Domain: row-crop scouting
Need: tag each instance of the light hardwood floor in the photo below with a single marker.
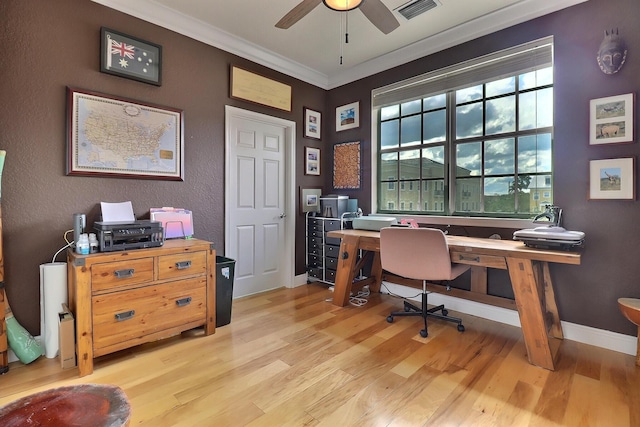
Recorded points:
(290, 358)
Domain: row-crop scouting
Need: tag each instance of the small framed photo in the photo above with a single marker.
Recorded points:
(612, 179)
(312, 123)
(611, 119)
(311, 161)
(348, 116)
(310, 199)
(126, 56)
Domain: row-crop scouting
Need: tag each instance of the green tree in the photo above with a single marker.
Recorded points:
(521, 184)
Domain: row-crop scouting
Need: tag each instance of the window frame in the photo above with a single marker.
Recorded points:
(449, 145)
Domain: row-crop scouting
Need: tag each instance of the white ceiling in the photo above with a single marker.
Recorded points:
(310, 49)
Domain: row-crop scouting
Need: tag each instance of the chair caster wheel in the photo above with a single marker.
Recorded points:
(424, 333)
(461, 328)
(445, 312)
(390, 319)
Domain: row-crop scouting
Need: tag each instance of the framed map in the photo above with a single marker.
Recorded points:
(118, 137)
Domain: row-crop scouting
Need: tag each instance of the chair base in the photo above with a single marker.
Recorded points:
(424, 312)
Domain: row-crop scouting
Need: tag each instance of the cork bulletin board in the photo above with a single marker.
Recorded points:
(346, 165)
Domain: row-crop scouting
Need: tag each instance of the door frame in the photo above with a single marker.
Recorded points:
(290, 183)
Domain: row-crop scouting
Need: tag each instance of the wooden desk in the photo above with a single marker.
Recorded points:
(528, 270)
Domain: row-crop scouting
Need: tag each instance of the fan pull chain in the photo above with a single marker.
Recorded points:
(344, 22)
(346, 27)
(340, 38)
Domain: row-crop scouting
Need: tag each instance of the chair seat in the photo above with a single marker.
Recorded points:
(422, 254)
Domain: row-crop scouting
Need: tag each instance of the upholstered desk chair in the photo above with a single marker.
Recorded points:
(423, 254)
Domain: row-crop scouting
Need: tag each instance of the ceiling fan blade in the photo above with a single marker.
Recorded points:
(379, 15)
(297, 13)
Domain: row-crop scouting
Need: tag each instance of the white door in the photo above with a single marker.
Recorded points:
(259, 197)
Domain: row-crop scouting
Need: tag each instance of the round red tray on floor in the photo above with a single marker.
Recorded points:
(83, 405)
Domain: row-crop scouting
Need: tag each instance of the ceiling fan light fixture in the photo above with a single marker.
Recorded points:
(342, 5)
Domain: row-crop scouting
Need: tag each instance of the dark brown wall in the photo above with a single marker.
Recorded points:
(610, 269)
(49, 45)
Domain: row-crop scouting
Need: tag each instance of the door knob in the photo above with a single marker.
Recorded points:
(282, 215)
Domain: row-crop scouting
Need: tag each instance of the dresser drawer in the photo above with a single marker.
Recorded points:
(333, 241)
(481, 260)
(331, 251)
(181, 265)
(315, 260)
(330, 276)
(331, 263)
(316, 234)
(315, 225)
(315, 243)
(113, 275)
(129, 315)
(315, 272)
(332, 224)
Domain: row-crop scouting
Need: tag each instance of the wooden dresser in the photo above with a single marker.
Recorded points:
(125, 298)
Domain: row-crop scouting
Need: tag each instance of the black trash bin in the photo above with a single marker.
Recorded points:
(225, 268)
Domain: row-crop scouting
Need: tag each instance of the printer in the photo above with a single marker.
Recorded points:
(122, 236)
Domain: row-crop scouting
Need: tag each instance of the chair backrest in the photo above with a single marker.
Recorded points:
(417, 253)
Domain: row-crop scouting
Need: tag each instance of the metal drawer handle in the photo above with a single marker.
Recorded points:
(464, 258)
(125, 315)
(183, 301)
(183, 265)
(124, 274)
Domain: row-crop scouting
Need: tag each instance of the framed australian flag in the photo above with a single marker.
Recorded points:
(125, 56)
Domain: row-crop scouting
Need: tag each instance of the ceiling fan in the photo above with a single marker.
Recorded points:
(374, 10)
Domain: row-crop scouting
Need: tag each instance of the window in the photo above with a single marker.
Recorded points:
(474, 139)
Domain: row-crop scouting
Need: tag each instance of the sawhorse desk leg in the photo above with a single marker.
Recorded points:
(345, 272)
(537, 309)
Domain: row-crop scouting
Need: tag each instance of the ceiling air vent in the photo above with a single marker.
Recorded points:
(415, 8)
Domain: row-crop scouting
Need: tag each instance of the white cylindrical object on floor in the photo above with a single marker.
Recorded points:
(53, 293)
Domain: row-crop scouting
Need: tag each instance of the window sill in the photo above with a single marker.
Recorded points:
(515, 223)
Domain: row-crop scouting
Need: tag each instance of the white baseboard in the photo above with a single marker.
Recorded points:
(299, 280)
(12, 356)
(584, 334)
(587, 335)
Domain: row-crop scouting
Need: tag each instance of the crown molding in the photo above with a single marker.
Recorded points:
(517, 13)
(165, 17)
(150, 11)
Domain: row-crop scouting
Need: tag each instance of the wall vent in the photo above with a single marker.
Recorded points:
(415, 8)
